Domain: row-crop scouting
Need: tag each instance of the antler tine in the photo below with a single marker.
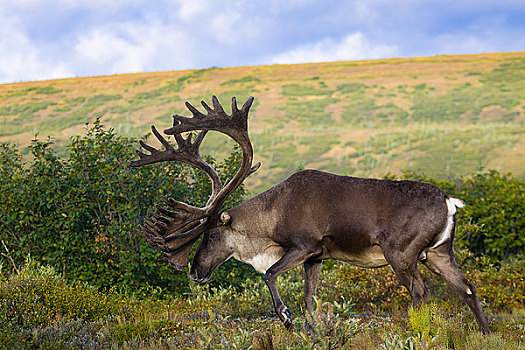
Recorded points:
(235, 109)
(199, 138)
(162, 140)
(247, 105)
(217, 106)
(190, 209)
(169, 235)
(235, 126)
(196, 113)
(206, 107)
(155, 155)
(179, 228)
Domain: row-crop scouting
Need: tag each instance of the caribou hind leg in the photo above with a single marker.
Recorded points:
(415, 285)
(409, 276)
(404, 264)
(441, 261)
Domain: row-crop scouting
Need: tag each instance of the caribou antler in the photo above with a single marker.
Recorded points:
(176, 230)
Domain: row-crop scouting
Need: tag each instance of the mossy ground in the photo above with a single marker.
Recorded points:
(356, 309)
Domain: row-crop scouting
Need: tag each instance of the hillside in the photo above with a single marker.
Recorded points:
(446, 115)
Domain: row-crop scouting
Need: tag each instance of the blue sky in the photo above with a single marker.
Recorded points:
(42, 39)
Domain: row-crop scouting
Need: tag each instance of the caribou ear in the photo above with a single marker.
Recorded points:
(225, 218)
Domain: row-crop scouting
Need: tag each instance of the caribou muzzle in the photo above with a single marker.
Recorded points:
(195, 277)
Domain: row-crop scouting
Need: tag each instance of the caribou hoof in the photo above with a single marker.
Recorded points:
(286, 318)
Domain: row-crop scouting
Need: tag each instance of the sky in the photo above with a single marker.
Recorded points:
(44, 39)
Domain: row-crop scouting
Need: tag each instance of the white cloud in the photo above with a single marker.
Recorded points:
(483, 35)
(192, 9)
(233, 28)
(353, 46)
(132, 47)
(102, 47)
(225, 28)
(41, 39)
(21, 59)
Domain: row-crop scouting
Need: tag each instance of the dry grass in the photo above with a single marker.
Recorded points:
(389, 83)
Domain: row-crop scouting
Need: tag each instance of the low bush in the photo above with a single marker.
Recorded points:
(493, 222)
(210, 317)
(81, 214)
(37, 295)
(500, 286)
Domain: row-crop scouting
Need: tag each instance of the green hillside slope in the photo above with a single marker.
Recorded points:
(446, 115)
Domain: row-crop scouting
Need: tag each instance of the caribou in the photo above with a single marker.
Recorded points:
(310, 217)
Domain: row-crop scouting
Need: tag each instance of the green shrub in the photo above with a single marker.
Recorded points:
(37, 295)
(492, 222)
(81, 214)
(500, 285)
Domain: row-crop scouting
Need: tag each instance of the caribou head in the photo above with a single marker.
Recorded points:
(310, 217)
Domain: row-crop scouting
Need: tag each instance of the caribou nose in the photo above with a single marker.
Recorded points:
(199, 280)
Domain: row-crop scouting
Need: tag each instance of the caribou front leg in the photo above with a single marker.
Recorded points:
(292, 258)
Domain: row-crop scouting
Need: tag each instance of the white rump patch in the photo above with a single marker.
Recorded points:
(456, 201)
(452, 204)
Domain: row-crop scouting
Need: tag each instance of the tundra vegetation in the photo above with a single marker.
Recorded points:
(75, 273)
(448, 115)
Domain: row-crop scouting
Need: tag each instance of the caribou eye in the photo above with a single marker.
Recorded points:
(213, 235)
